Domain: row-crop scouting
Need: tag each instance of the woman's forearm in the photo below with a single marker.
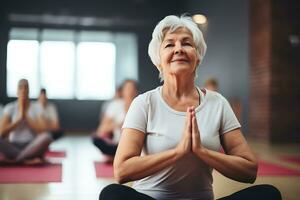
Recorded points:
(238, 168)
(6, 128)
(37, 125)
(139, 167)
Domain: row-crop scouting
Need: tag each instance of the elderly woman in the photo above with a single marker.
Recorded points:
(172, 135)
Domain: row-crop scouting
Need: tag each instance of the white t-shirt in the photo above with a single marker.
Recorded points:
(1, 110)
(49, 112)
(22, 133)
(189, 177)
(116, 111)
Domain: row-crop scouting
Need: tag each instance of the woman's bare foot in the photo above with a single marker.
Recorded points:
(35, 161)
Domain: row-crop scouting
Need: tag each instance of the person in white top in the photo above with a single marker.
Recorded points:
(108, 133)
(22, 131)
(171, 135)
(50, 115)
(1, 110)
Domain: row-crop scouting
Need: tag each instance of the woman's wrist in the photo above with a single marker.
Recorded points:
(201, 152)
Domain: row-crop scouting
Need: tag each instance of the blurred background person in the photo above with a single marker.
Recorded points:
(1, 110)
(21, 129)
(108, 132)
(49, 112)
(118, 95)
(211, 83)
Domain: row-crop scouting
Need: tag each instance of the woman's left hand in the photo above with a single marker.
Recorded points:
(196, 140)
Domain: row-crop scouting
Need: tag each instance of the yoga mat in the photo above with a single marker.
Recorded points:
(48, 154)
(104, 170)
(55, 154)
(31, 174)
(292, 159)
(270, 169)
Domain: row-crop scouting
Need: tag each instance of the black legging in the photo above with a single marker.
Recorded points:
(104, 147)
(257, 192)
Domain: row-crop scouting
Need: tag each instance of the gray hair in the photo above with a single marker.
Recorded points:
(172, 23)
(23, 82)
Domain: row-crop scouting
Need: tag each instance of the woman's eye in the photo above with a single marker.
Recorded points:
(187, 44)
(168, 45)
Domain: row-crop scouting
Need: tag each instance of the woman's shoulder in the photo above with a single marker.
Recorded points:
(11, 105)
(213, 96)
(148, 95)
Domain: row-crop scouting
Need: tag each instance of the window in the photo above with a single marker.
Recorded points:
(70, 64)
(22, 63)
(96, 69)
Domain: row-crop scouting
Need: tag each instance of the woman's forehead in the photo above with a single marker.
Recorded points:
(181, 32)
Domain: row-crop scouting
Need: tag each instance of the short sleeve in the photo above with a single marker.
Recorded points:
(137, 115)
(8, 110)
(229, 121)
(52, 112)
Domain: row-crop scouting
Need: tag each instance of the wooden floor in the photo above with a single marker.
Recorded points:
(79, 181)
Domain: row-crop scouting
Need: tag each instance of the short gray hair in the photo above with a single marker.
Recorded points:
(172, 23)
(22, 82)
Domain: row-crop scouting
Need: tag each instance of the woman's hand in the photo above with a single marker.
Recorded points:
(185, 145)
(196, 140)
(21, 109)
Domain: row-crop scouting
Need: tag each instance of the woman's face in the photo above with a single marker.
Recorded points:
(178, 53)
(23, 91)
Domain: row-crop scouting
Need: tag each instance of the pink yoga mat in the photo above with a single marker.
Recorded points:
(31, 174)
(55, 154)
(48, 154)
(292, 159)
(104, 170)
(270, 169)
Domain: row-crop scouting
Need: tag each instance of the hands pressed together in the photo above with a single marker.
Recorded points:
(22, 110)
(190, 141)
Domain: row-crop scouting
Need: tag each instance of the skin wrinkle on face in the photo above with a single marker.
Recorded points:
(178, 51)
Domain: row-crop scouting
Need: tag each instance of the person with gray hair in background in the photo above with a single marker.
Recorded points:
(171, 135)
(23, 139)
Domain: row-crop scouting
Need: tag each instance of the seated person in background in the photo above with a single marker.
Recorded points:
(109, 130)
(49, 113)
(21, 129)
(118, 95)
(1, 110)
(211, 84)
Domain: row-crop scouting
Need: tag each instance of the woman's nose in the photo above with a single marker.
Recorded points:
(178, 49)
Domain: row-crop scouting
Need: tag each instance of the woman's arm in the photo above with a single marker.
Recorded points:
(6, 125)
(38, 125)
(239, 163)
(129, 165)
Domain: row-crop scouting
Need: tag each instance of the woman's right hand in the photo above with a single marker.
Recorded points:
(185, 145)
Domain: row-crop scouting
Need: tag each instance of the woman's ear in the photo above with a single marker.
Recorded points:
(198, 61)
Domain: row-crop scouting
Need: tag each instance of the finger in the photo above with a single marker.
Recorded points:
(195, 128)
(189, 122)
(187, 117)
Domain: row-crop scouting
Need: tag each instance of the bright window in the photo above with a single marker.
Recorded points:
(70, 64)
(22, 62)
(96, 70)
(57, 68)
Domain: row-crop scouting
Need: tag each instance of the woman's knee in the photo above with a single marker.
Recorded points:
(113, 192)
(270, 191)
